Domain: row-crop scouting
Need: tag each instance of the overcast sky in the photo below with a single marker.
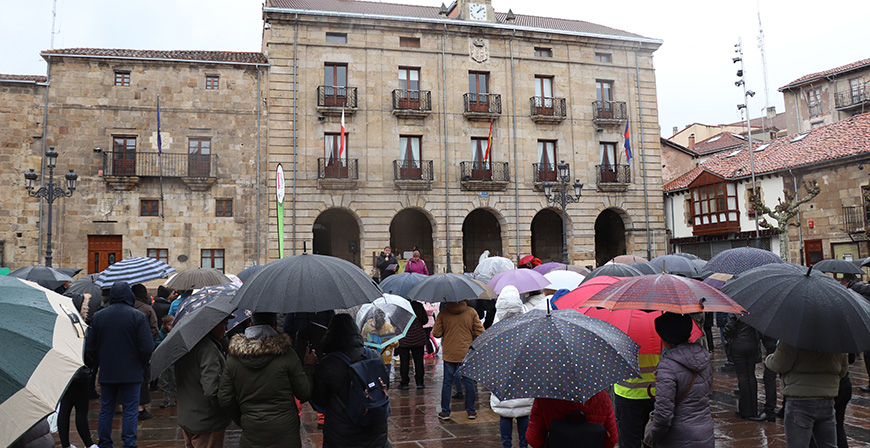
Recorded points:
(694, 71)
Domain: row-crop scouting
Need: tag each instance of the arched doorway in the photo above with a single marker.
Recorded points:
(547, 235)
(609, 236)
(336, 233)
(480, 231)
(411, 228)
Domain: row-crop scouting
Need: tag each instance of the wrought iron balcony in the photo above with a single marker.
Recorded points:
(412, 103)
(849, 99)
(545, 172)
(416, 175)
(153, 164)
(620, 174)
(331, 100)
(609, 113)
(484, 175)
(482, 106)
(852, 218)
(547, 110)
(334, 169)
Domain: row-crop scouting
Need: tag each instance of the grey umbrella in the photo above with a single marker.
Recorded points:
(645, 267)
(446, 288)
(676, 264)
(400, 284)
(838, 267)
(70, 271)
(197, 278)
(85, 285)
(307, 283)
(613, 270)
(46, 277)
(249, 272)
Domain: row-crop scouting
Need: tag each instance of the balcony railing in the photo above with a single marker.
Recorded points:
(616, 174)
(416, 170)
(484, 171)
(850, 98)
(153, 164)
(332, 169)
(545, 172)
(852, 218)
(547, 108)
(815, 110)
(336, 96)
(609, 112)
(482, 103)
(412, 100)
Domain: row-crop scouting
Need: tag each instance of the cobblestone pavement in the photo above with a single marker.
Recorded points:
(414, 423)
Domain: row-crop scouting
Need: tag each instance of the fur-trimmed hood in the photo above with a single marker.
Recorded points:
(257, 353)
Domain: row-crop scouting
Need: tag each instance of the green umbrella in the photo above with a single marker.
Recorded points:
(43, 340)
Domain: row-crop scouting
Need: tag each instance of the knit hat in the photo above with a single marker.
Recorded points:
(674, 328)
(163, 291)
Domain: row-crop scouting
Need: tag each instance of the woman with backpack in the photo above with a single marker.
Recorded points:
(332, 388)
(545, 411)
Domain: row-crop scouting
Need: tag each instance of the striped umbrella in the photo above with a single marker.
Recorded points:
(43, 341)
(735, 261)
(664, 292)
(134, 270)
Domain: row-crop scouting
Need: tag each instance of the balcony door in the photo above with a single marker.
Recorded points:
(335, 80)
(410, 165)
(544, 95)
(604, 95)
(481, 168)
(608, 165)
(546, 160)
(478, 91)
(124, 156)
(409, 86)
(336, 159)
(199, 157)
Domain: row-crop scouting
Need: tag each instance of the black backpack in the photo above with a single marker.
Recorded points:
(368, 402)
(575, 432)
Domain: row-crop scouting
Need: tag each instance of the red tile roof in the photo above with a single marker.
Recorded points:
(180, 55)
(807, 79)
(719, 142)
(22, 78)
(432, 12)
(842, 139)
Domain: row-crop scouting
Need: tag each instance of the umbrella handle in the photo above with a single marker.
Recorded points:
(701, 302)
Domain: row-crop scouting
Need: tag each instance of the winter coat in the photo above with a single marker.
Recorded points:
(508, 303)
(431, 310)
(197, 375)
(741, 340)
(689, 423)
(534, 301)
(119, 340)
(418, 267)
(457, 325)
(808, 374)
(161, 308)
(39, 436)
(261, 377)
(385, 260)
(416, 336)
(149, 313)
(161, 335)
(597, 410)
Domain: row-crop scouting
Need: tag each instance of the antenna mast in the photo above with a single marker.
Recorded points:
(764, 120)
(53, 18)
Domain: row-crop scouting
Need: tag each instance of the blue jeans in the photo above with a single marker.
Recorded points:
(129, 393)
(450, 369)
(806, 419)
(506, 425)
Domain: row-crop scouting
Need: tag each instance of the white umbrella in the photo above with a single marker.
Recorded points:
(563, 280)
(488, 267)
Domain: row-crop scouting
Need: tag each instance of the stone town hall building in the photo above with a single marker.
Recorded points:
(420, 90)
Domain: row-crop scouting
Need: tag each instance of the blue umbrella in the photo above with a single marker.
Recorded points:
(134, 270)
(401, 284)
(735, 261)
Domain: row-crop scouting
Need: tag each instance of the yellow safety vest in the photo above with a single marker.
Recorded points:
(640, 388)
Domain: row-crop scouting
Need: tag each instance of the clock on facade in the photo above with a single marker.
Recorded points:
(477, 11)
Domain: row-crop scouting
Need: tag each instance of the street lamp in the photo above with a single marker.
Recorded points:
(50, 192)
(563, 198)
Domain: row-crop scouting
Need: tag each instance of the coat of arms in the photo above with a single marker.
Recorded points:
(479, 49)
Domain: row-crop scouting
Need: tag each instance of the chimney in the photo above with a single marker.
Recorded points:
(676, 129)
(771, 112)
(510, 18)
(691, 141)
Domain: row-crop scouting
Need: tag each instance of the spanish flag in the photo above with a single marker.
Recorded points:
(488, 143)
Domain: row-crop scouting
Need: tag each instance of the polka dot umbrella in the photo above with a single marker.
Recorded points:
(562, 354)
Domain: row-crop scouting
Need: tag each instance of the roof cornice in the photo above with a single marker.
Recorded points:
(47, 55)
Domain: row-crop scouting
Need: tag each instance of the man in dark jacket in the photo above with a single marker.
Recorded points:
(120, 342)
(742, 347)
(165, 296)
(851, 282)
(387, 263)
(198, 373)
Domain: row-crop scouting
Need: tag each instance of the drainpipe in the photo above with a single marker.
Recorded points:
(295, 121)
(516, 163)
(642, 156)
(446, 153)
(800, 227)
(259, 100)
(44, 136)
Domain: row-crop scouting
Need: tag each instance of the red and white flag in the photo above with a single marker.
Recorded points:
(341, 143)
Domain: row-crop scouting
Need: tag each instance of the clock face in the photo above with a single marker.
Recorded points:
(477, 11)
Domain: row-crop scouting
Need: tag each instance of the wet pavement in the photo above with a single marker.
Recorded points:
(414, 421)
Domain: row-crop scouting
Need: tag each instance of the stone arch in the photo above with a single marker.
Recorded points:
(546, 231)
(609, 235)
(412, 227)
(481, 230)
(336, 232)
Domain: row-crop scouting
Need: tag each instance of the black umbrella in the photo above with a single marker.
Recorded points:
(740, 259)
(613, 270)
(69, 271)
(802, 307)
(676, 264)
(249, 272)
(307, 283)
(401, 284)
(446, 288)
(838, 267)
(645, 267)
(688, 256)
(46, 277)
(85, 285)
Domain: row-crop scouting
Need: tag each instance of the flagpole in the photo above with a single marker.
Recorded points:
(159, 157)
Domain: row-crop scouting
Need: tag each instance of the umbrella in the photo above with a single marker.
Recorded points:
(524, 279)
(645, 267)
(43, 341)
(488, 293)
(675, 264)
(490, 266)
(396, 311)
(239, 317)
(307, 283)
(85, 285)
(445, 288)
(46, 277)
(562, 354)
(547, 267)
(187, 332)
(613, 270)
(527, 259)
(69, 271)
(400, 284)
(700, 264)
(734, 261)
(134, 270)
(627, 259)
(685, 255)
(664, 292)
(203, 297)
(802, 307)
(197, 278)
(582, 270)
(563, 280)
(717, 280)
(865, 262)
(234, 279)
(249, 272)
(838, 267)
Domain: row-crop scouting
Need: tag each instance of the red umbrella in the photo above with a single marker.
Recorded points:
(638, 325)
(526, 259)
(664, 292)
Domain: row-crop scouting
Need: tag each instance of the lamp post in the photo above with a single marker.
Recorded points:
(563, 198)
(50, 192)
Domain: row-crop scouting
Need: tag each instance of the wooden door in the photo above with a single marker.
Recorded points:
(103, 251)
(813, 252)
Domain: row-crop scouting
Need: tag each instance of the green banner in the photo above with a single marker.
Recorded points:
(279, 190)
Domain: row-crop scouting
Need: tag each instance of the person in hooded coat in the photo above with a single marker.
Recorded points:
(261, 377)
(684, 386)
(458, 325)
(332, 389)
(412, 345)
(120, 343)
